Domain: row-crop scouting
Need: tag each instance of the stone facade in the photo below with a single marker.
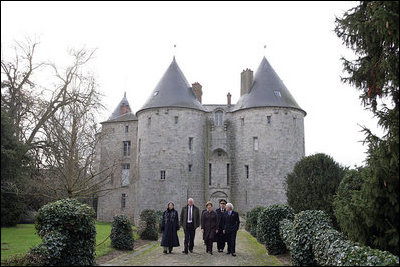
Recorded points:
(208, 153)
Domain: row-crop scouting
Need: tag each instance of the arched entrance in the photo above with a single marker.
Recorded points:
(216, 197)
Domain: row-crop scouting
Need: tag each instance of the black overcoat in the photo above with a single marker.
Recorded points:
(209, 224)
(170, 226)
(220, 236)
(232, 222)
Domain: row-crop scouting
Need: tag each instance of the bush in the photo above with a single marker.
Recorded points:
(268, 227)
(304, 226)
(12, 208)
(345, 205)
(67, 228)
(251, 220)
(313, 183)
(159, 215)
(286, 232)
(121, 233)
(148, 225)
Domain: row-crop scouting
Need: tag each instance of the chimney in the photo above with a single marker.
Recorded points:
(246, 81)
(197, 90)
(229, 99)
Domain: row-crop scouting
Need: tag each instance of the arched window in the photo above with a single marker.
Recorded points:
(219, 117)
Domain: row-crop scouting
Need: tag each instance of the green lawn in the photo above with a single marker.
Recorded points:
(19, 239)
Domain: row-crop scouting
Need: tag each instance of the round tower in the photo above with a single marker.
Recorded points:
(269, 139)
(171, 130)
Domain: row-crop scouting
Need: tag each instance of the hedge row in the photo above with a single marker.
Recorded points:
(312, 241)
(121, 233)
(251, 220)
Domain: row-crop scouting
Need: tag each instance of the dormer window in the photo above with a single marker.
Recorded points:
(277, 93)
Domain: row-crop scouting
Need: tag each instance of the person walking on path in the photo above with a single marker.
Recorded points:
(209, 226)
(170, 227)
(231, 227)
(190, 220)
(220, 236)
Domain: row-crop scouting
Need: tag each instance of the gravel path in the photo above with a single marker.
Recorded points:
(248, 251)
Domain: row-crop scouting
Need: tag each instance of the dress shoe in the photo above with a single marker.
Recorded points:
(228, 252)
(191, 251)
(165, 252)
(233, 254)
(184, 252)
(211, 252)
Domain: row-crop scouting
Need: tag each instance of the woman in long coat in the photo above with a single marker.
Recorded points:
(170, 227)
(209, 226)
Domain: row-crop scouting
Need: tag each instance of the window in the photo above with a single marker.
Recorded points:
(241, 121)
(162, 175)
(190, 143)
(123, 201)
(140, 142)
(126, 128)
(255, 143)
(246, 167)
(277, 93)
(269, 119)
(125, 174)
(227, 173)
(209, 174)
(127, 148)
(218, 118)
(190, 167)
(176, 119)
(148, 121)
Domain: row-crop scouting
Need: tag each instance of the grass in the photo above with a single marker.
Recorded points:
(19, 239)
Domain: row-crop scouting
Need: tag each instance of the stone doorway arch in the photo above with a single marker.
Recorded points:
(216, 197)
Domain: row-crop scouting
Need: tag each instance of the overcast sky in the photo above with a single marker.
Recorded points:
(215, 42)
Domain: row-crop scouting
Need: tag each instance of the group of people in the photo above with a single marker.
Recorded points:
(220, 225)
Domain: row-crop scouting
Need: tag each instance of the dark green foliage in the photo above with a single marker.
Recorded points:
(313, 183)
(268, 227)
(13, 172)
(304, 225)
(159, 215)
(251, 220)
(313, 241)
(371, 30)
(148, 225)
(346, 207)
(67, 228)
(286, 232)
(121, 233)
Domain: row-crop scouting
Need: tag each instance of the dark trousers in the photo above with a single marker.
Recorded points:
(220, 240)
(209, 245)
(231, 240)
(189, 236)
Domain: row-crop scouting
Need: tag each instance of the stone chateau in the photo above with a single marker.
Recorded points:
(176, 147)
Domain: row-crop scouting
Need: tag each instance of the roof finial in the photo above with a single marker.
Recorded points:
(124, 93)
(265, 48)
(174, 51)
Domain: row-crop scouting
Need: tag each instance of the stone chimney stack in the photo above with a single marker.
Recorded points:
(246, 81)
(229, 99)
(197, 90)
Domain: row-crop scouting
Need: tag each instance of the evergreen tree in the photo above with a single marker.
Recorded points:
(371, 30)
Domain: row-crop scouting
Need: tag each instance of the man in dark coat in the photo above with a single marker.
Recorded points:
(231, 227)
(209, 226)
(220, 236)
(190, 220)
(170, 227)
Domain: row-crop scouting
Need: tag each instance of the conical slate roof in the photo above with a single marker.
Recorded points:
(173, 90)
(267, 90)
(117, 112)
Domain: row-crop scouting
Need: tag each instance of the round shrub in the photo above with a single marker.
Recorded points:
(304, 226)
(251, 220)
(121, 233)
(313, 183)
(286, 232)
(148, 225)
(67, 228)
(268, 227)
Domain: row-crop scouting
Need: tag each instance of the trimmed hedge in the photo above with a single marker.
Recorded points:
(313, 241)
(251, 220)
(148, 225)
(121, 233)
(67, 228)
(268, 227)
